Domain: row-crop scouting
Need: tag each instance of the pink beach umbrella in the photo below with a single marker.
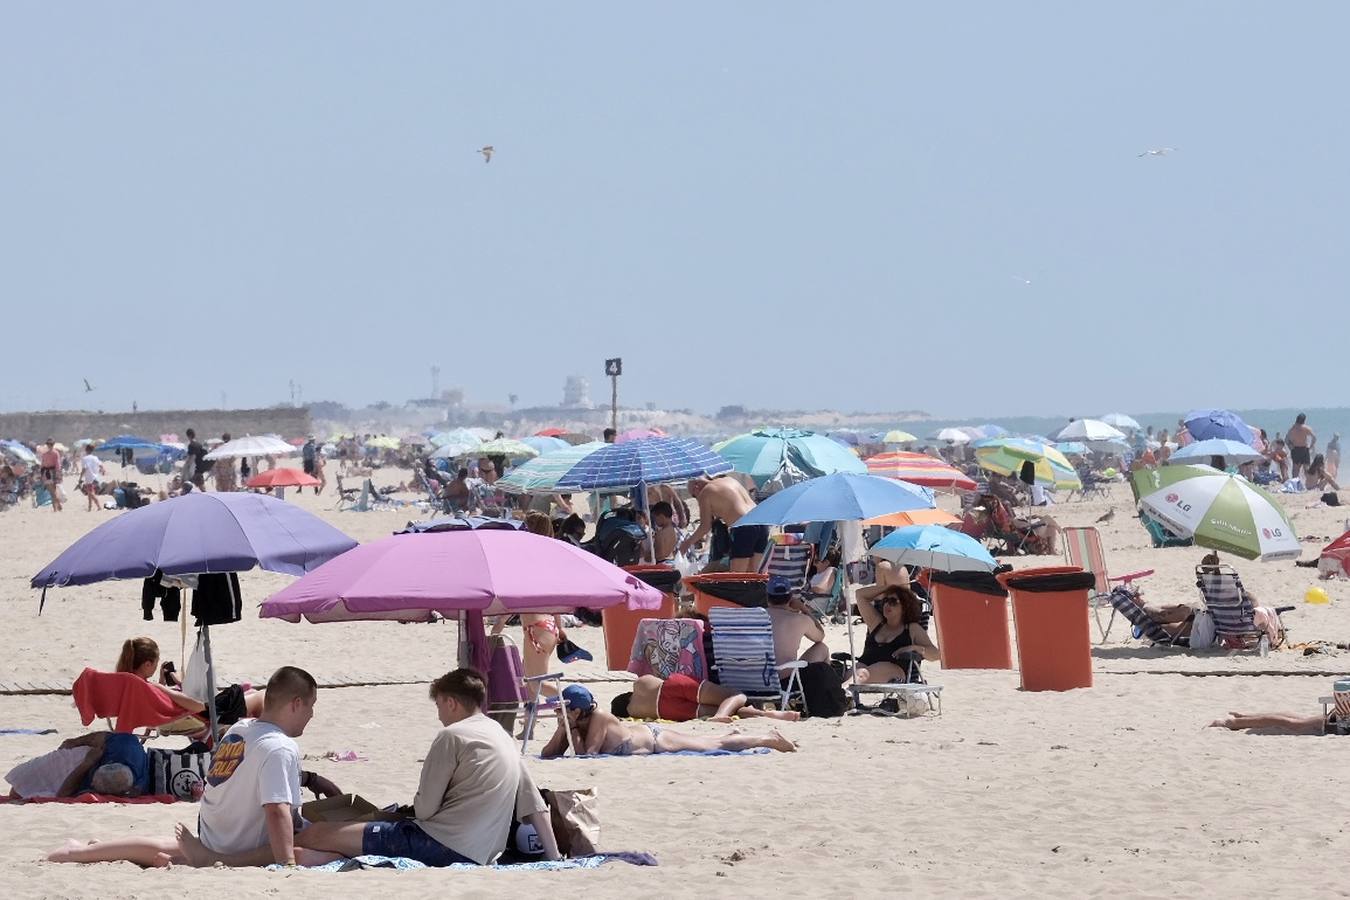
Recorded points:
(638, 434)
(409, 577)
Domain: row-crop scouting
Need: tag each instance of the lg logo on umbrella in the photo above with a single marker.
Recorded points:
(1269, 533)
(1175, 499)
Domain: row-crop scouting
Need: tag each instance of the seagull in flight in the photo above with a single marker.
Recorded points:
(1160, 151)
(487, 153)
(1021, 279)
(88, 388)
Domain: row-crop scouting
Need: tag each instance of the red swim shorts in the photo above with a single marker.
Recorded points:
(678, 700)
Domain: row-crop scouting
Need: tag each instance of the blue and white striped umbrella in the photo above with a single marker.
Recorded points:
(644, 461)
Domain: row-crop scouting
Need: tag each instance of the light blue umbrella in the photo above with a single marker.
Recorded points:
(764, 454)
(842, 497)
(1234, 452)
(545, 445)
(934, 547)
(991, 430)
(1074, 448)
(19, 452)
(643, 461)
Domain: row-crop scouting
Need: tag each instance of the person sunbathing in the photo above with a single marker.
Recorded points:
(896, 639)
(680, 698)
(1278, 723)
(140, 657)
(599, 732)
(104, 762)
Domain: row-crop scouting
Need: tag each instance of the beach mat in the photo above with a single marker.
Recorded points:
(27, 731)
(753, 751)
(90, 797)
(403, 863)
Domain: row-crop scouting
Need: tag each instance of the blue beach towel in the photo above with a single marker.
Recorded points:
(405, 864)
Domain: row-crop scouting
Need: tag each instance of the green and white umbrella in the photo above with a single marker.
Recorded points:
(1220, 511)
(541, 475)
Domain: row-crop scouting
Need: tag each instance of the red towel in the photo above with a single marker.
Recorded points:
(132, 701)
(90, 797)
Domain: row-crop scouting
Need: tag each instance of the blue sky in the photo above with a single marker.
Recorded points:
(769, 203)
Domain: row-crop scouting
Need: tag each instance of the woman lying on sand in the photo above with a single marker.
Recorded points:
(1277, 723)
(598, 732)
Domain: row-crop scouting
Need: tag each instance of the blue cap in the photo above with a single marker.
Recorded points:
(778, 586)
(579, 698)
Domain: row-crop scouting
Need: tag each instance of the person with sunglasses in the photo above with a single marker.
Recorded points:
(896, 639)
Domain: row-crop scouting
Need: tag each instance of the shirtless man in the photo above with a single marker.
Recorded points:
(680, 698)
(1301, 441)
(722, 501)
(598, 732)
(792, 624)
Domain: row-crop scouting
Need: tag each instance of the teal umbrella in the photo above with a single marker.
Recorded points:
(764, 454)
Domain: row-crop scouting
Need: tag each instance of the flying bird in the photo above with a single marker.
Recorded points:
(1160, 151)
(487, 153)
(88, 388)
(1021, 279)
(1109, 515)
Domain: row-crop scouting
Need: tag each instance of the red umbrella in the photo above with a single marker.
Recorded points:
(551, 432)
(284, 476)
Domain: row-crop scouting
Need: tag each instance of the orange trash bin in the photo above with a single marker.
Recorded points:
(1054, 639)
(971, 612)
(620, 623)
(734, 589)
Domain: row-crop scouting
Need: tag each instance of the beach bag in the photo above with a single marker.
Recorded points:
(194, 677)
(179, 773)
(576, 820)
(1202, 630)
(823, 691)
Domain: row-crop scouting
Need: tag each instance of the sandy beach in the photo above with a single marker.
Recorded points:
(1119, 788)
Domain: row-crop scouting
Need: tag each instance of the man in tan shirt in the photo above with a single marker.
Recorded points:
(472, 781)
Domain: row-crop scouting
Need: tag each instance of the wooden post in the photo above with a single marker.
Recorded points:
(614, 403)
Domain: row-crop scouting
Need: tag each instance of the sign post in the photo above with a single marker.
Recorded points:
(614, 368)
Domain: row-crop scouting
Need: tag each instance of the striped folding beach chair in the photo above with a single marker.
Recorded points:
(743, 656)
(1122, 600)
(1234, 621)
(790, 560)
(1083, 550)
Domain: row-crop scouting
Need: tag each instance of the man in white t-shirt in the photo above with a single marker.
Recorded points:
(472, 781)
(252, 798)
(91, 467)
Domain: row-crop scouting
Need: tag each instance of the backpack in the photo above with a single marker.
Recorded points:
(823, 690)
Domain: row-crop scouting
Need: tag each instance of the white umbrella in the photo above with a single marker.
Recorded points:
(1090, 430)
(952, 436)
(1121, 421)
(454, 449)
(251, 445)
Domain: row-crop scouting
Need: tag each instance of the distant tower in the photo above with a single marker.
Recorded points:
(435, 381)
(576, 392)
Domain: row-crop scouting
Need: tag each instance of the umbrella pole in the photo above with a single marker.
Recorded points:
(212, 716)
(851, 549)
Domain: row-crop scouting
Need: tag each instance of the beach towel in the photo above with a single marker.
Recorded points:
(91, 797)
(133, 702)
(403, 863)
(663, 647)
(27, 731)
(754, 751)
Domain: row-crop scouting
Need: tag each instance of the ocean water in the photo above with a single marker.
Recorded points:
(1325, 422)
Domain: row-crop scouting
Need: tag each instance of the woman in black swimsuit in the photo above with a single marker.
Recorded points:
(896, 640)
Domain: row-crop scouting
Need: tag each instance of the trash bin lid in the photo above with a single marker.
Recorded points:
(1051, 582)
(976, 582)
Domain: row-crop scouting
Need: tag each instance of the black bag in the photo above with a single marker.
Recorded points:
(824, 691)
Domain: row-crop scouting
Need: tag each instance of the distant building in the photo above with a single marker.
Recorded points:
(576, 393)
